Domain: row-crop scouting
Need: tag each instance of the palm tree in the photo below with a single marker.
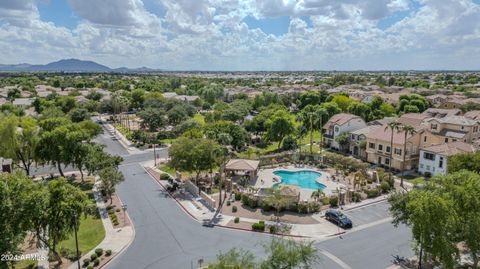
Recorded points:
(321, 113)
(394, 126)
(307, 117)
(407, 130)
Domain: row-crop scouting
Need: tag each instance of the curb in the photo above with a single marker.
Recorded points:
(124, 248)
(367, 204)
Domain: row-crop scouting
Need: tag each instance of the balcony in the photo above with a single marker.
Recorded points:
(327, 135)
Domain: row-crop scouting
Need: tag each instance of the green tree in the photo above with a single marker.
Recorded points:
(152, 118)
(22, 201)
(278, 200)
(290, 254)
(234, 259)
(343, 140)
(78, 114)
(97, 159)
(193, 155)
(137, 99)
(66, 204)
(110, 177)
(18, 140)
(279, 126)
(308, 118)
(227, 133)
(467, 161)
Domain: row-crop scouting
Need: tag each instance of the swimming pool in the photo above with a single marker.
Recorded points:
(304, 179)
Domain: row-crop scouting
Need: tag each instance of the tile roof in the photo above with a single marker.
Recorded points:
(452, 133)
(441, 113)
(474, 115)
(366, 130)
(242, 164)
(458, 120)
(449, 149)
(339, 119)
(384, 133)
(412, 119)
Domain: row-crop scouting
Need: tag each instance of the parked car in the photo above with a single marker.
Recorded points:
(338, 218)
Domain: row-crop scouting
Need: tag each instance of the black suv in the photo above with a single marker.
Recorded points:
(338, 218)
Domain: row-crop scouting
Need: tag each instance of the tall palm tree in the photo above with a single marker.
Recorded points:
(307, 117)
(393, 126)
(321, 114)
(407, 130)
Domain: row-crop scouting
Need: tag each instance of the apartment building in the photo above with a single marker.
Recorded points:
(338, 125)
(434, 159)
(450, 129)
(379, 150)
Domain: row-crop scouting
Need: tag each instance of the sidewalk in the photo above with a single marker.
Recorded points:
(116, 239)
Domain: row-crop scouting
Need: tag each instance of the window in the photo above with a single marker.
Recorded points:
(425, 139)
(380, 147)
(434, 126)
(398, 151)
(446, 139)
(421, 165)
(371, 145)
(440, 163)
(336, 129)
(387, 161)
(414, 149)
(353, 137)
(428, 156)
(428, 167)
(387, 149)
(463, 127)
(379, 160)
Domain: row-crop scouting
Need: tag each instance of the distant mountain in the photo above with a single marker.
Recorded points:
(70, 65)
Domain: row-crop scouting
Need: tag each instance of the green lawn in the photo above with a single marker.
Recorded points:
(167, 141)
(418, 180)
(166, 168)
(90, 234)
(25, 264)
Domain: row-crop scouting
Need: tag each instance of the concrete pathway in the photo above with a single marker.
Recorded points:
(116, 239)
(127, 144)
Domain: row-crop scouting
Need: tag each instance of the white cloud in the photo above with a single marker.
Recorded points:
(211, 34)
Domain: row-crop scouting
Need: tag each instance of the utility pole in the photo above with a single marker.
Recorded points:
(76, 238)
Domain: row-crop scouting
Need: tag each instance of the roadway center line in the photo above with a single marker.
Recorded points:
(335, 259)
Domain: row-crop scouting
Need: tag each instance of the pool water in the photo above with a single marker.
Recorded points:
(304, 179)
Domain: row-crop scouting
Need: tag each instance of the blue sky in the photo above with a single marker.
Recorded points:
(245, 34)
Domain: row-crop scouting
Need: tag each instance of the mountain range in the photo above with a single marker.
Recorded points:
(70, 65)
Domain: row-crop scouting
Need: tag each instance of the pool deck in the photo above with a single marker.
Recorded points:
(266, 177)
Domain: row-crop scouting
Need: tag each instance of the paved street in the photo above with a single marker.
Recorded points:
(166, 237)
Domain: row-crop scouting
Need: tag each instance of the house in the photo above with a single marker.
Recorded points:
(434, 159)
(184, 98)
(441, 113)
(338, 125)
(450, 129)
(23, 102)
(437, 99)
(474, 115)
(378, 147)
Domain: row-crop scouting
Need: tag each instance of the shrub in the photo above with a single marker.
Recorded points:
(90, 267)
(273, 229)
(372, 193)
(234, 209)
(86, 262)
(93, 256)
(325, 200)
(427, 174)
(356, 197)
(266, 207)
(117, 210)
(236, 220)
(249, 201)
(385, 187)
(99, 252)
(164, 176)
(260, 226)
(96, 262)
(115, 222)
(333, 201)
(109, 207)
(108, 252)
(238, 196)
(228, 203)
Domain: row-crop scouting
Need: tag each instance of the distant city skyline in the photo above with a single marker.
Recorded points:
(252, 35)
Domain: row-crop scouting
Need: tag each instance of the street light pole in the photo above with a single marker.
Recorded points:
(124, 207)
(76, 238)
(154, 154)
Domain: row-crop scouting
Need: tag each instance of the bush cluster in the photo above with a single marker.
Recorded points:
(164, 176)
(309, 207)
(333, 201)
(372, 193)
(113, 217)
(249, 201)
(234, 209)
(236, 220)
(259, 227)
(356, 197)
